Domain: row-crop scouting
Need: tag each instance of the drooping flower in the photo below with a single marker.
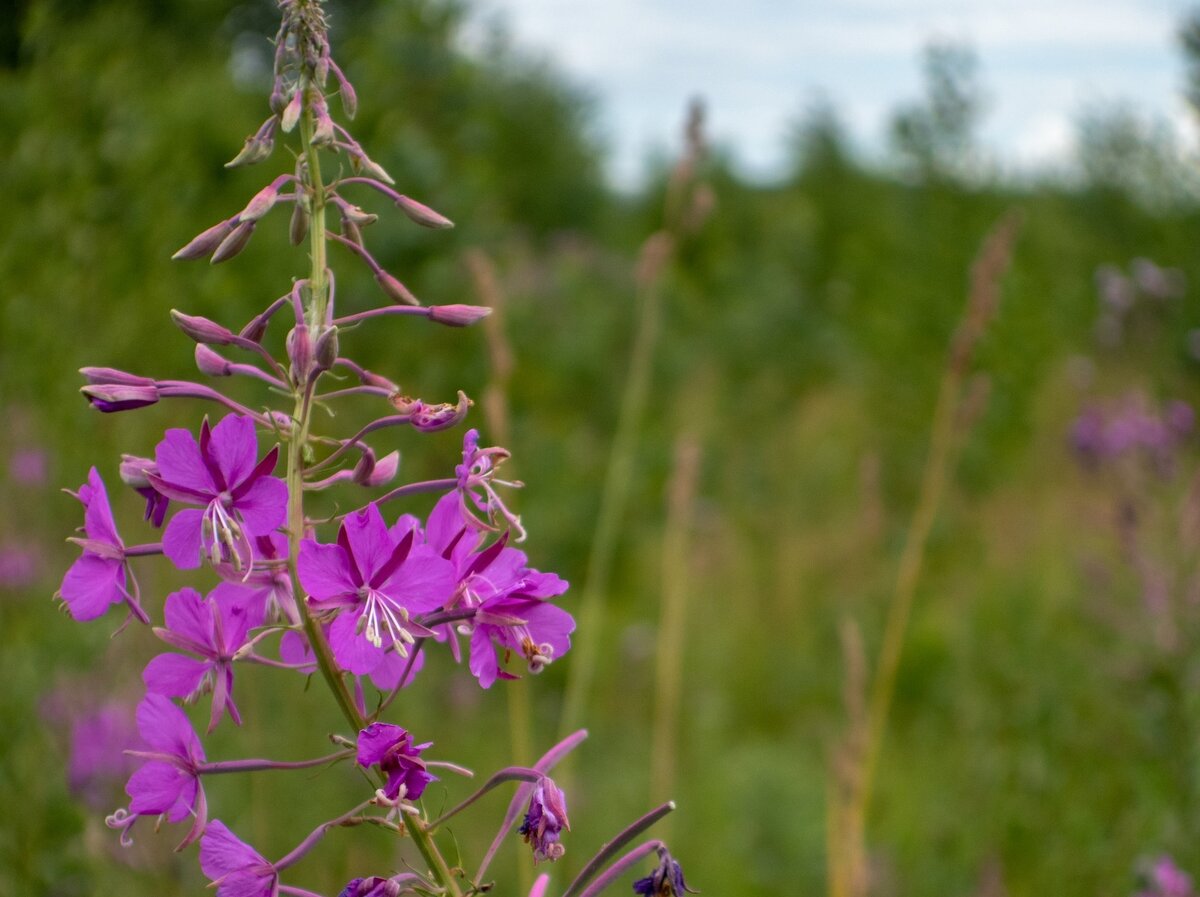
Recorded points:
(665, 881)
(481, 505)
(399, 759)
(235, 868)
(168, 783)
(213, 627)
(240, 498)
(100, 576)
(374, 579)
(545, 820)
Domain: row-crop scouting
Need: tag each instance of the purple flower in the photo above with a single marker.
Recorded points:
(239, 497)
(235, 868)
(537, 630)
(665, 881)
(97, 760)
(1165, 879)
(266, 584)
(168, 783)
(374, 579)
(135, 473)
(28, 466)
(213, 628)
(20, 565)
(372, 886)
(476, 475)
(545, 820)
(100, 576)
(392, 748)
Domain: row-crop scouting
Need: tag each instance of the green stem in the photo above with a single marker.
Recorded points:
(318, 288)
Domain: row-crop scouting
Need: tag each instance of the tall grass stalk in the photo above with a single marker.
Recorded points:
(847, 850)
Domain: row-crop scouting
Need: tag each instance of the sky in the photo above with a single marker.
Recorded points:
(758, 64)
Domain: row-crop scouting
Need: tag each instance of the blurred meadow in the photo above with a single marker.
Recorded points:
(790, 341)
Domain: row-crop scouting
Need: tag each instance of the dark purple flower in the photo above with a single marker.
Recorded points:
(665, 881)
(374, 579)
(476, 476)
(239, 497)
(392, 748)
(168, 783)
(545, 820)
(100, 576)
(212, 628)
(235, 868)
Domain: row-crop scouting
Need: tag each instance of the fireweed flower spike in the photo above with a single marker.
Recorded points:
(240, 498)
(545, 820)
(374, 579)
(213, 628)
(392, 748)
(168, 784)
(101, 576)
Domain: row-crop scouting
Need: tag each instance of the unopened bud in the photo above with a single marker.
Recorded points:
(110, 397)
(395, 290)
(258, 146)
(210, 363)
(300, 351)
(422, 214)
(457, 315)
(370, 378)
(114, 376)
(351, 232)
(256, 329)
(325, 351)
(370, 472)
(261, 203)
(279, 99)
(205, 243)
(298, 228)
(358, 216)
(346, 91)
(373, 169)
(323, 130)
(234, 243)
(202, 330)
(290, 115)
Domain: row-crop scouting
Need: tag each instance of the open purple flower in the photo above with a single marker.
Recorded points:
(235, 868)
(374, 579)
(239, 497)
(100, 577)
(168, 783)
(545, 820)
(212, 628)
(665, 881)
(393, 749)
(537, 630)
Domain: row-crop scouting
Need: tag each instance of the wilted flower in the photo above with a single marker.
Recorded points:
(392, 748)
(545, 820)
(665, 881)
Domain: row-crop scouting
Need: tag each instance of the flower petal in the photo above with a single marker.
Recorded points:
(353, 651)
(369, 540)
(424, 582)
(222, 852)
(234, 447)
(97, 518)
(324, 571)
(264, 506)
(179, 463)
(165, 727)
(155, 788)
(91, 584)
(174, 675)
(191, 617)
(483, 663)
(181, 538)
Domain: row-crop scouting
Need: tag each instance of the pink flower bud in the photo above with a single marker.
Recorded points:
(234, 243)
(291, 112)
(112, 376)
(300, 350)
(346, 91)
(395, 290)
(202, 330)
(262, 202)
(134, 471)
(210, 363)
(422, 214)
(323, 131)
(298, 227)
(358, 216)
(457, 315)
(205, 243)
(383, 471)
(326, 350)
(258, 146)
(110, 397)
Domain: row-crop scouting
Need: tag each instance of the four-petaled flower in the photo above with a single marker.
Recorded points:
(168, 784)
(545, 820)
(100, 576)
(375, 579)
(213, 628)
(239, 497)
(398, 758)
(235, 868)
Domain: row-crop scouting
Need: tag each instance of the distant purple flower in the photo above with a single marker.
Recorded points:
(476, 476)
(665, 881)
(1165, 879)
(392, 748)
(240, 498)
(28, 467)
(212, 628)
(235, 868)
(99, 577)
(97, 761)
(168, 783)
(20, 565)
(545, 820)
(374, 579)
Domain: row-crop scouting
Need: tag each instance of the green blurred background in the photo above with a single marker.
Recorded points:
(1044, 733)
